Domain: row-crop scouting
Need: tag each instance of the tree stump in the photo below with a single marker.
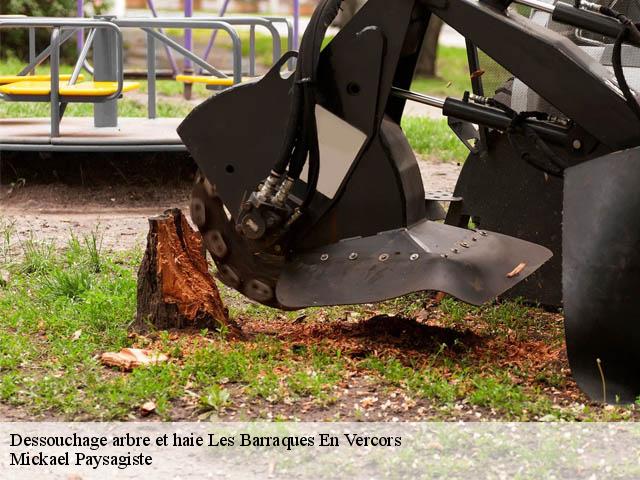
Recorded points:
(175, 288)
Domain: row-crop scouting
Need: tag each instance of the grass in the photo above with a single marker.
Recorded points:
(452, 74)
(434, 139)
(60, 309)
(47, 365)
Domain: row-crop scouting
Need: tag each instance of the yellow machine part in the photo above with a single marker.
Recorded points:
(5, 79)
(82, 89)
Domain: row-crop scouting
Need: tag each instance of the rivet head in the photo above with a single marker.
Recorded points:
(464, 244)
(482, 233)
(324, 257)
(455, 250)
(353, 256)
(384, 257)
(414, 257)
(577, 144)
(444, 255)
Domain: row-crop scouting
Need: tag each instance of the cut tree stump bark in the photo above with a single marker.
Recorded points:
(175, 288)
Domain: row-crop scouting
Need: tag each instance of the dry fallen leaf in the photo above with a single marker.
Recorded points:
(477, 74)
(147, 408)
(517, 271)
(439, 297)
(368, 402)
(130, 358)
(76, 335)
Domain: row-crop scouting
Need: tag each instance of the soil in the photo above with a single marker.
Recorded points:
(47, 197)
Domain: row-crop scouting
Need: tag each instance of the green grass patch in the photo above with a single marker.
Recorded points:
(452, 72)
(434, 139)
(497, 393)
(425, 382)
(60, 310)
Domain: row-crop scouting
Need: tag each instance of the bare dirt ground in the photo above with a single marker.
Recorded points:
(50, 198)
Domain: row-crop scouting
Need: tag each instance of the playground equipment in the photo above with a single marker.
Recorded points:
(108, 83)
(293, 34)
(325, 206)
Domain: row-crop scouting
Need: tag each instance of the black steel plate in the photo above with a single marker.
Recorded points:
(472, 266)
(601, 275)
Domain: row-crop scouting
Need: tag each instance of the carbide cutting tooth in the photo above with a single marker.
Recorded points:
(259, 291)
(215, 243)
(229, 276)
(198, 212)
(210, 215)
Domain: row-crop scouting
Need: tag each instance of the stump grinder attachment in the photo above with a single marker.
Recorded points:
(310, 195)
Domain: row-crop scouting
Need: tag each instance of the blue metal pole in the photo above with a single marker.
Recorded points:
(172, 61)
(80, 34)
(212, 40)
(188, 33)
(296, 23)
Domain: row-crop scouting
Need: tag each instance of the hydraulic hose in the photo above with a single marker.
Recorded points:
(301, 137)
(629, 32)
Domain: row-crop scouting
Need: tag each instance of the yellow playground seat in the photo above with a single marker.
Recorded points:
(208, 80)
(5, 79)
(30, 88)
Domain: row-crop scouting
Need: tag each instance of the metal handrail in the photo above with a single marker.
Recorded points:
(58, 23)
(53, 52)
(148, 24)
(290, 35)
(64, 28)
(82, 57)
(256, 21)
(289, 26)
(35, 60)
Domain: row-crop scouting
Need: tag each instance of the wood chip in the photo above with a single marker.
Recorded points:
(129, 358)
(517, 271)
(147, 408)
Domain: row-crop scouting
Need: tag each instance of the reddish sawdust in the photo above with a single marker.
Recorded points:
(184, 272)
(417, 342)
